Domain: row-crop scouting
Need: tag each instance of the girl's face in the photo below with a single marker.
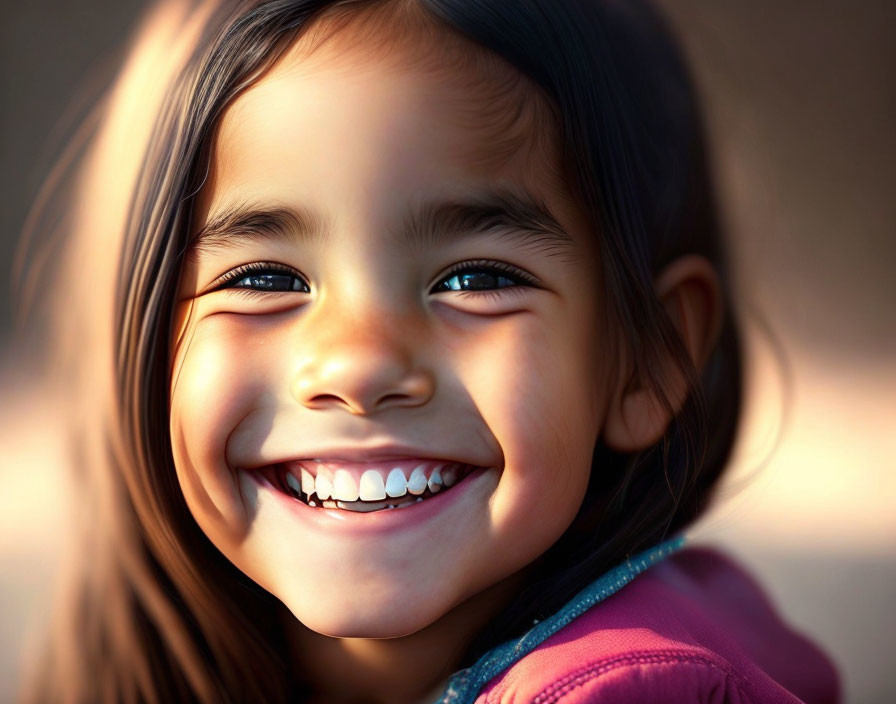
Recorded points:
(373, 284)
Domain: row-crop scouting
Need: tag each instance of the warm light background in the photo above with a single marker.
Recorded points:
(800, 101)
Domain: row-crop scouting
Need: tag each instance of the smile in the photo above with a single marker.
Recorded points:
(365, 487)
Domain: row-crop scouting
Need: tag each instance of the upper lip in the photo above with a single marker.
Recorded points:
(381, 453)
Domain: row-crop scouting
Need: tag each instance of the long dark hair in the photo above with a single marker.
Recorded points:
(157, 613)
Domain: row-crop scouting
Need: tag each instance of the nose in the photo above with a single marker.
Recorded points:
(362, 368)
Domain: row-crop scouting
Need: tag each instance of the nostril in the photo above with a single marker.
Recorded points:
(325, 398)
(362, 385)
(322, 400)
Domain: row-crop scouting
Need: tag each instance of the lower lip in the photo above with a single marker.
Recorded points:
(383, 521)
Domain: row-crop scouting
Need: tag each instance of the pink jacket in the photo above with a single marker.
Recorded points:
(692, 628)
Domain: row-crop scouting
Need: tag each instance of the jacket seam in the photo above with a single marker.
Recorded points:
(560, 688)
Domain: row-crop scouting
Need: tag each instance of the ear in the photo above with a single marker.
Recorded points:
(691, 293)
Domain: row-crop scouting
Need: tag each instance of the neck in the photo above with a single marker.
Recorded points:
(410, 669)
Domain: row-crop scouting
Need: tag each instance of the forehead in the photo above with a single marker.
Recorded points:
(406, 111)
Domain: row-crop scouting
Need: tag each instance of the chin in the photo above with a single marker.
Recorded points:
(361, 625)
(364, 619)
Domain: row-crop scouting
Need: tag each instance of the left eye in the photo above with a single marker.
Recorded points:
(483, 276)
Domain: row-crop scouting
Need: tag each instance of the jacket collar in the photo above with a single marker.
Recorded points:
(464, 686)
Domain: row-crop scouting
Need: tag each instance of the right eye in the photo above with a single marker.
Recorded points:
(263, 277)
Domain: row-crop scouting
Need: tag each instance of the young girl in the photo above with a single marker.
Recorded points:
(421, 359)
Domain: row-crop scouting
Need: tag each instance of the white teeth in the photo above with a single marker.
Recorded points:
(323, 487)
(435, 479)
(396, 484)
(372, 487)
(293, 483)
(345, 488)
(307, 482)
(449, 475)
(417, 481)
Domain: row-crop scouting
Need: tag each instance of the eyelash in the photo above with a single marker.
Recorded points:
(256, 269)
(497, 269)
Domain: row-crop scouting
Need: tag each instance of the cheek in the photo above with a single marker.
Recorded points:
(535, 386)
(216, 377)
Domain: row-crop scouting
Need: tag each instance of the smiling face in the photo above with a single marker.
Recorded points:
(377, 265)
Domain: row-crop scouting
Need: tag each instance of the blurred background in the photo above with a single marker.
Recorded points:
(800, 101)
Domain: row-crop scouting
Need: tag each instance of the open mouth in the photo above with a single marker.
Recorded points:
(365, 488)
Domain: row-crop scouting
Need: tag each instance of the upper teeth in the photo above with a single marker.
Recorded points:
(345, 488)
(417, 481)
(323, 486)
(307, 482)
(374, 484)
(396, 484)
(435, 480)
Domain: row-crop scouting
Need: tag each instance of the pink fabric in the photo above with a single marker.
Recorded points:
(693, 628)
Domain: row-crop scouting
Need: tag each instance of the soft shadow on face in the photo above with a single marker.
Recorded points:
(348, 143)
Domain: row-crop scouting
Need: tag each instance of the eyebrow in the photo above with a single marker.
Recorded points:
(517, 218)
